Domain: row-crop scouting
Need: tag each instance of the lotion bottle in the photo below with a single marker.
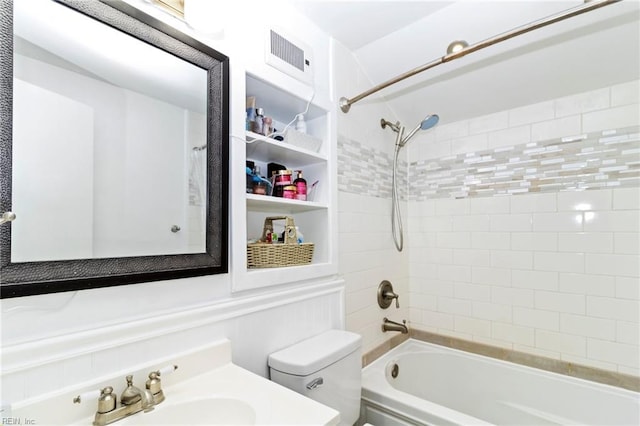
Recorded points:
(301, 187)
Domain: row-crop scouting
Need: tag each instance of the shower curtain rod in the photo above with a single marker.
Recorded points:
(589, 5)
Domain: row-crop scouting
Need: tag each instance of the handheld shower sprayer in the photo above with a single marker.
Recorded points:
(396, 220)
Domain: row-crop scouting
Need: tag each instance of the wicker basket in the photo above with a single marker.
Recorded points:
(287, 253)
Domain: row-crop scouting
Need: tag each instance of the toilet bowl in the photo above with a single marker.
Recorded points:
(326, 368)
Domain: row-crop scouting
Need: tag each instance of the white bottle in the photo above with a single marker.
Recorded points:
(300, 236)
(301, 126)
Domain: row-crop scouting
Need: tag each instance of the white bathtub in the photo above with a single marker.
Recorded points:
(438, 385)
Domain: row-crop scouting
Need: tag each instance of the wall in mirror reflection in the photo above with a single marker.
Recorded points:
(110, 171)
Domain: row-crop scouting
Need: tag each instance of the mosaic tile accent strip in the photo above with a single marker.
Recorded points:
(365, 171)
(603, 159)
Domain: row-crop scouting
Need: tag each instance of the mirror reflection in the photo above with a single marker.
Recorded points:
(109, 142)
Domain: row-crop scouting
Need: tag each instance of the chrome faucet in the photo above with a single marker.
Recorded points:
(132, 401)
(388, 325)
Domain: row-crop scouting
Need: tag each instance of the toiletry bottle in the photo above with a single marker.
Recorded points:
(267, 126)
(299, 235)
(258, 126)
(301, 126)
(301, 187)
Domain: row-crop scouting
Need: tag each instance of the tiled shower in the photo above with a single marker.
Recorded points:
(522, 228)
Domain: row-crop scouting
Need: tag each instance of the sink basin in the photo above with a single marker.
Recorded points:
(205, 411)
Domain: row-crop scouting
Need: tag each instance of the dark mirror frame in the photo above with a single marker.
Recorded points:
(30, 278)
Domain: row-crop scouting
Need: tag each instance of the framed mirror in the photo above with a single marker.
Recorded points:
(113, 148)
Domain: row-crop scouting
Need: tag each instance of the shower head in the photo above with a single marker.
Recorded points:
(428, 122)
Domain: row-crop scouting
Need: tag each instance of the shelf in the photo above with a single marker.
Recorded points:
(266, 203)
(271, 150)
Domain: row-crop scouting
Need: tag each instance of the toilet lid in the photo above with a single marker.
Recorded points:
(316, 353)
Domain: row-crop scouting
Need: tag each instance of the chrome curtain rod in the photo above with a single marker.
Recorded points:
(589, 5)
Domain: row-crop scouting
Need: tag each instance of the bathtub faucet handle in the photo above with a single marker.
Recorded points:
(386, 295)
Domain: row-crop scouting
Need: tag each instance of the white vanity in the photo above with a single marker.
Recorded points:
(206, 389)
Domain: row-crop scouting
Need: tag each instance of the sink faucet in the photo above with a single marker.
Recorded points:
(132, 400)
(388, 325)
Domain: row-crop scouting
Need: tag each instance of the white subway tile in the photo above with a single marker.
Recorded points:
(582, 102)
(610, 308)
(473, 326)
(594, 285)
(612, 221)
(622, 116)
(432, 255)
(534, 203)
(511, 259)
(511, 222)
(471, 223)
(512, 296)
(535, 280)
(423, 301)
(434, 151)
(459, 273)
(557, 128)
(625, 93)
(585, 200)
(557, 222)
(581, 325)
(625, 265)
(420, 209)
(561, 342)
(454, 239)
(490, 240)
(535, 318)
(627, 288)
(535, 241)
(437, 319)
(475, 292)
(629, 371)
(438, 287)
(533, 113)
(626, 199)
(619, 353)
(560, 262)
(560, 302)
(453, 130)
(509, 137)
(488, 123)
(451, 207)
(467, 144)
(454, 306)
(491, 276)
(513, 333)
(628, 332)
(491, 311)
(435, 224)
(586, 242)
(627, 242)
(471, 257)
(489, 205)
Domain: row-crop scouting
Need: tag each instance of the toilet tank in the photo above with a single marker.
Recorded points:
(326, 368)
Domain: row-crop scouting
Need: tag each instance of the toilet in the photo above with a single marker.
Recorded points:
(325, 368)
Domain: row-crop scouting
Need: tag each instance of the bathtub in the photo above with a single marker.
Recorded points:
(442, 386)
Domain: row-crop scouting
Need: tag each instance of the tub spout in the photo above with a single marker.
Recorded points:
(388, 325)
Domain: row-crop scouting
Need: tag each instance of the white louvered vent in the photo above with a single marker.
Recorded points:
(289, 56)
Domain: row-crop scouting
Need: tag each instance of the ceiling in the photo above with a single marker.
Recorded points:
(593, 50)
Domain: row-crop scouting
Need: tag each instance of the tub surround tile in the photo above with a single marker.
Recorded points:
(383, 348)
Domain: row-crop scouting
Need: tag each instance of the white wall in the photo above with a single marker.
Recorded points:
(367, 254)
(554, 271)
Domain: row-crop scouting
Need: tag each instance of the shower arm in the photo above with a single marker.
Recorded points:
(345, 104)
